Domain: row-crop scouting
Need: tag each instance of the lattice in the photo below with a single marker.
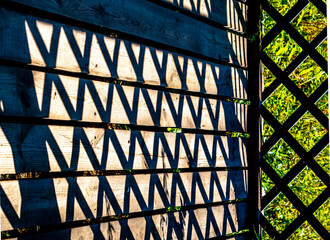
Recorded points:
(286, 183)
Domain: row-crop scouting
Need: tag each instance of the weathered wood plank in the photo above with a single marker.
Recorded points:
(192, 224)
(35, 148)
(50, 201)
(28, 40)
(61, 97)
(150, 21)
(230, 13)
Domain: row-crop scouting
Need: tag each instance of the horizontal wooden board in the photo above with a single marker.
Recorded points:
(46, 43)
(230, 13)
(61, 97)
(49, 201)
(150, 21)
(35, 148)
(193, 224)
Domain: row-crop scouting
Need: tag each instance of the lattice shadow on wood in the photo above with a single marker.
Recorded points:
(72, 88)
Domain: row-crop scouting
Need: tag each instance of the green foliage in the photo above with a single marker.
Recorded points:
(267, 23)
(240, 101)
(308, 76)
(323, 159)
(307, 131)
(268, 76)
(280, 212)
(267, 132)
(283, 6)
(315, 186)
(283, 50)
(282, 104)
(305, 230)
(238, 134)
(310, 22)
(174, 130)
(322, 104)
(282, 158)
(173, 209)
(322, 213)
(267, 183)
(322, 49)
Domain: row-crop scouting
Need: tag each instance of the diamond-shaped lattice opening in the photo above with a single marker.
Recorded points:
(307, 186)
(281, 103)
(280, 212)
(310, 22)
(322, 214)
(267, 23)
(323, 48)
(267, 184)
(308, 131)
(281, 158)
(268, 131)
(305, 231)
(269, 77)
(283, 50)
(308, 76)
(283, 6)
(323, 159)
(322, 104)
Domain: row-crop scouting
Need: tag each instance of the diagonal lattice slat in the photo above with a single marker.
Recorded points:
(282, 131)
(284, 24)
(295, 63)
(298, 221)
(295, 170)
(286, 81)
(291, 120)
(306, 158)
(306, 212)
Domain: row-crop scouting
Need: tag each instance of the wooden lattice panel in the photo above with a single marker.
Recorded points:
(282, 129)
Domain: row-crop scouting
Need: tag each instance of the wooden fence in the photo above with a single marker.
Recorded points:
(123, 119)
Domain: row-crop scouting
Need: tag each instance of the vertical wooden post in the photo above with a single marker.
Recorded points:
(254, 119)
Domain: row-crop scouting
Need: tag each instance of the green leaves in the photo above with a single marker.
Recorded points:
(283, 50)
(174, 130)
(308, 76)
(173, 209)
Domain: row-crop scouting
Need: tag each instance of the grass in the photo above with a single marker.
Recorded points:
(307, 131)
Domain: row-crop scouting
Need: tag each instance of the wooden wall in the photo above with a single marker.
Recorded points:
(123, 119)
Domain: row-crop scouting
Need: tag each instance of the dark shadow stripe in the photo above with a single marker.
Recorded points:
(117, 81)
(22, 8)
(74, 123)
(96, 173)
(198, 17)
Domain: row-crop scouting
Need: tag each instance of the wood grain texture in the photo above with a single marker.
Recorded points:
(50, 44)
(146, 44)
(230, 13)
(150, 21)
(55, 96)
(192, 224)
(35, 148)
(50, 201)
